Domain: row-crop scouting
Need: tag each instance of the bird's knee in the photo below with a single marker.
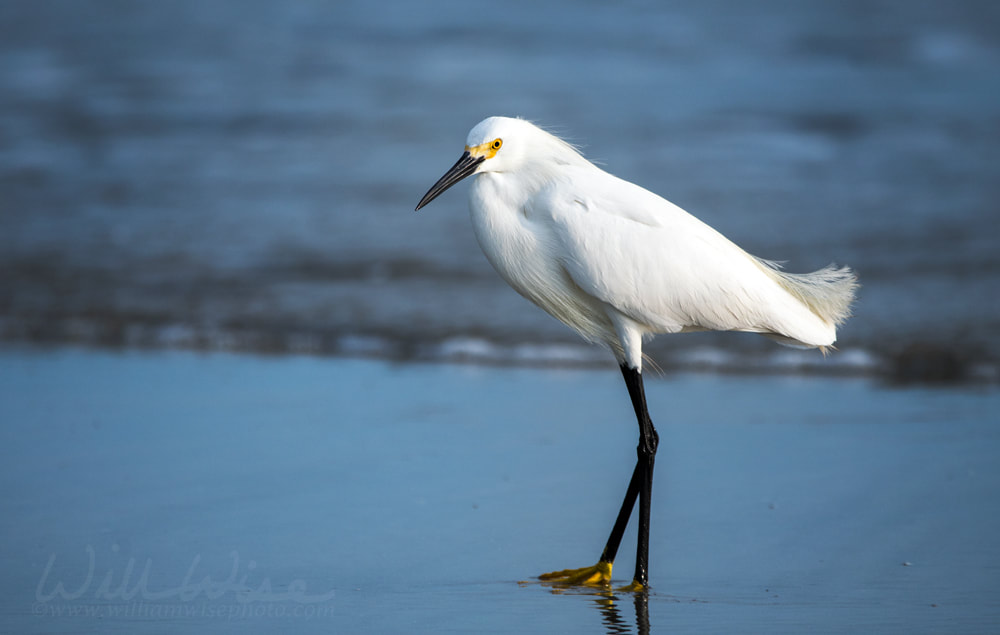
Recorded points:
(646, 450)
(649, 440)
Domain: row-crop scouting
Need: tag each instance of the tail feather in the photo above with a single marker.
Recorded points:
(829, 292)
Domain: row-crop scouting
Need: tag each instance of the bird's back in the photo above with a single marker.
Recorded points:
(669, 272)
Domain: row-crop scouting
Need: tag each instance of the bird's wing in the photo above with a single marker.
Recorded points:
(655, 263)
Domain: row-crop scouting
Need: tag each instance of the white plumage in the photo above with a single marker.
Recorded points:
(618, 263)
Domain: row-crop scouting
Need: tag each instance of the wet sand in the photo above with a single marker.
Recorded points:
(164, 492)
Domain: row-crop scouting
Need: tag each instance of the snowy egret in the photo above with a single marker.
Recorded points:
(618, 264)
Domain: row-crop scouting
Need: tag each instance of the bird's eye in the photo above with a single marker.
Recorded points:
(496, 144)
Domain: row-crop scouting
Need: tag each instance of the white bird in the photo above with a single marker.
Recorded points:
(618, 264)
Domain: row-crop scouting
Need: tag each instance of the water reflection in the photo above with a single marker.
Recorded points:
(611, 606)
(612, 617)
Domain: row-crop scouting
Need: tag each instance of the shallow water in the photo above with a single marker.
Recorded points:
(227, 493)
(242, 175)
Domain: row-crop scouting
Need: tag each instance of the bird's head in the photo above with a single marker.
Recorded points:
(495, 144)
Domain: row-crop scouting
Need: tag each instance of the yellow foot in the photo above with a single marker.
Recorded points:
(598, 575)
(635, 587)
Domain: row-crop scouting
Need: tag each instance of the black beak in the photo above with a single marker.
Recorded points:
(465, 166)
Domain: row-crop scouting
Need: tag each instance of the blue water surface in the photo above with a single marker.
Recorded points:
(177, 492)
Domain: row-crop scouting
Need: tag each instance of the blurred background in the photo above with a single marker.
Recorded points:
(242, 175)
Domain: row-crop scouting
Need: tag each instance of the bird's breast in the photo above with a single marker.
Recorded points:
(524, 250)
(516, 246)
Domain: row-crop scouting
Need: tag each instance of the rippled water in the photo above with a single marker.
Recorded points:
(243, 175)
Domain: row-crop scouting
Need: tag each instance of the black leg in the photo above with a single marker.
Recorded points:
(646, 454)
(615, 539)
(639, 488)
